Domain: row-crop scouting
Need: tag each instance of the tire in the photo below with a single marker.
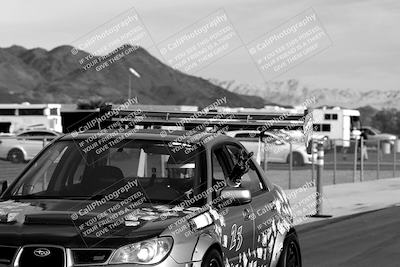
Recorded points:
(291, 255)
(16, 156)
(212, 259)
(298, 159)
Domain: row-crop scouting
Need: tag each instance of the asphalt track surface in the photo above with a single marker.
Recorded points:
(368, 239)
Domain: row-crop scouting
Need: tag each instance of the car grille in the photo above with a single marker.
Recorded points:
(31, 256)
(90, 256)
(7, 255)
(56, 258)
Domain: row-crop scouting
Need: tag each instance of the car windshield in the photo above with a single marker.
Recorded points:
(376, 131)
(164, 173)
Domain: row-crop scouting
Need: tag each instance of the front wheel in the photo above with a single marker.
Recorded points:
(298, 159)
(212, 259)
(16, 156)
(291, 255)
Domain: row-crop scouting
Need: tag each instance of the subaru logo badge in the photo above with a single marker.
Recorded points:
(41, 252)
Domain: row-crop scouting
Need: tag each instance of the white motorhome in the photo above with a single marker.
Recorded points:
(17, 117)
(336, 123)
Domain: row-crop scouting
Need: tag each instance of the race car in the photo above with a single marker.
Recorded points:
(143, 197)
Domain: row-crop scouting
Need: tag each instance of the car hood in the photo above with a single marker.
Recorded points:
(70, 223)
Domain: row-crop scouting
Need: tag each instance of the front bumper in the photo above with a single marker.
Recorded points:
(69, 260)
(168, 262)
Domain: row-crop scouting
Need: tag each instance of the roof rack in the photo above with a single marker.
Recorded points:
(189, 119)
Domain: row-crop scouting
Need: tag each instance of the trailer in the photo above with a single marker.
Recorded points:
(25, 116)
(337, 124)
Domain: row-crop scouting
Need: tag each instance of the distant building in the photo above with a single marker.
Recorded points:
(16, 117)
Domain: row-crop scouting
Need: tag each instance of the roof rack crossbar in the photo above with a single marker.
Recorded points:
(189, 119)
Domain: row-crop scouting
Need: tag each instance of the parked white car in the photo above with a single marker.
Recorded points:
(24, 145)
(277, 149)
(291, 135)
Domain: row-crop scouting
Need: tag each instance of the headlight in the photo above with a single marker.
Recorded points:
(146, 252)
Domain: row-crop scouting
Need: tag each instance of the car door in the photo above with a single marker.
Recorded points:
(277, 150)
(263, 205)
(238, 228)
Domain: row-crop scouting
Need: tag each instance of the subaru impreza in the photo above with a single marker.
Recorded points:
(141, 198)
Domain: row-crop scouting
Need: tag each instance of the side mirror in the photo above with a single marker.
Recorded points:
(236, 196)
(3, 186)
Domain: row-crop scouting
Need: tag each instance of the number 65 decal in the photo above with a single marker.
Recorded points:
(236, 237)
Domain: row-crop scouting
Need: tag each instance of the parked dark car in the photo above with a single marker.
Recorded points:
(372, 136)
(139, 198)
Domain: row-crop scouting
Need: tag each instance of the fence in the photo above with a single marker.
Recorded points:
(356, 161)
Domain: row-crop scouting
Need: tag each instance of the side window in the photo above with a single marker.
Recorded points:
(251, 180)
(78, 175)
(218, 172)
(269, 139)
(219, 167)
(44, 134)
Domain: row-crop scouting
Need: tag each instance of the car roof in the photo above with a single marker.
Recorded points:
(156, 134)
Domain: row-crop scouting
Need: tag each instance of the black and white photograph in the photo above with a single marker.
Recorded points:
(182, 133)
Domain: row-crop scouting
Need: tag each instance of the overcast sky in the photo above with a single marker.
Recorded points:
(365, 51)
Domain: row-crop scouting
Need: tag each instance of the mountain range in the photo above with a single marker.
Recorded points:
(293, 92)
(55, 76)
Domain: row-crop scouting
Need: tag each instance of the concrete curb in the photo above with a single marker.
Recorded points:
(310, 226)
